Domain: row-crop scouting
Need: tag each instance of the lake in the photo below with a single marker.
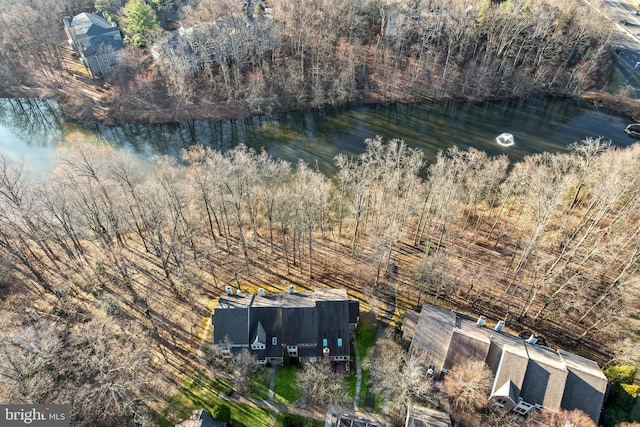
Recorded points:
(34, 129)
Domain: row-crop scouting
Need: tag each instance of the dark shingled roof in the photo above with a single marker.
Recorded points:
(291, 318)
(95, 39)
(354, 311)
(314, 351)
(333, 320)
(92, 31)
(231, 316)
(299, 325)
(463, 347)
(271, 320)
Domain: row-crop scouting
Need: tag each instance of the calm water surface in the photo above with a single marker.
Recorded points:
(34, 129)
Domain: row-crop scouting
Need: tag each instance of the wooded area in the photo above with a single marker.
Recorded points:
(116, 259)
(295, 55)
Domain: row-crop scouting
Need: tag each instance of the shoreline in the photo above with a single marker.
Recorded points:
(238, 109)
(109, 115)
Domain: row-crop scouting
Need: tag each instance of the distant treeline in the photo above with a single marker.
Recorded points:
(295, 54)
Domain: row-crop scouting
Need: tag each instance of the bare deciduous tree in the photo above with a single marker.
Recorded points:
(320, 385)
(104, 375)
(400, 377)
(468, 386)
(242, 365)
(561, 418)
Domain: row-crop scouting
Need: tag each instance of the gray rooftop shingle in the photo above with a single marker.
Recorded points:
(553, 378)
(586, 385)
(545, 378)
(92, 32)
(433, 334)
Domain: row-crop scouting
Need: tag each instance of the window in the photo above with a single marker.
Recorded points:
(500, 403)
(274, 340)
(324, 342)
(339, 342)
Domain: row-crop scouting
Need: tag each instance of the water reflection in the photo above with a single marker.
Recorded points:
(29, 130)
(537, 124)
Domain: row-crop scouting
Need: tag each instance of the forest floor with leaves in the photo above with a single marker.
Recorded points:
(176, 317)
(117, 286)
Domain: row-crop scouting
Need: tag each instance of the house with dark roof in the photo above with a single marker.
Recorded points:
(308, 326)
(526, 375)
(95, 40)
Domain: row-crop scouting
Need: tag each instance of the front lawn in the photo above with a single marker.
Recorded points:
(202, 391)
(286, 390)
(259, 384)
(366, 339)
(365, 336)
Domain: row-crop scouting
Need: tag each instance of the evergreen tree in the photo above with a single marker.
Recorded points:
(110, 8)
(162, 6)
(139, 22)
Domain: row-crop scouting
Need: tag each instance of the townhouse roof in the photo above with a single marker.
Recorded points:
(539, 375)
(305, 319)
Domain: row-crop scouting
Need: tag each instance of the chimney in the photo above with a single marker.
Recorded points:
(229, 290)
(261, 292)
(291, 290)
(499, 325)
(532, 339)
(481, 320)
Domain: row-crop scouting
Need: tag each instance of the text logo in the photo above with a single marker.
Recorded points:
(34, 415)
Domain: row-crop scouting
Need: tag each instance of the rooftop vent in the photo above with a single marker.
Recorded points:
(532, 339)
(499, 325)
(291, 289)
(239, 291)
(229, 290)
(481, 320)
(261, 292)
